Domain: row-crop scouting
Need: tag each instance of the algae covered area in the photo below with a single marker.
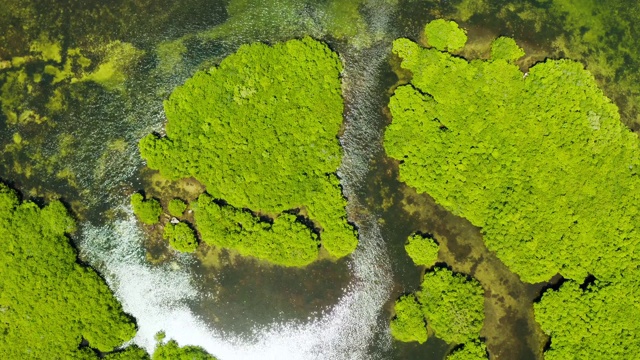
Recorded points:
(268, 117)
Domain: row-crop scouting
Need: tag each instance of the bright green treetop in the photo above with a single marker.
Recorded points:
(600, 322)
(260, 131)
(408, 324)
(147, 211)
(171, 351)
(445, 35)
(505, 48)
(49, 303)
(422, 250)
(284, 242)
(540, 162)
(452, 305)
(176, 207)
(473, 350)
(181, 237)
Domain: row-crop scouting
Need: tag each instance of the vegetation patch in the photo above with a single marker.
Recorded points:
(148, 211)
(49, 303)
(422, 250)
(181, 237)
(260, 132)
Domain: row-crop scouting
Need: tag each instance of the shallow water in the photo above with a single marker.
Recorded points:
(240, 308)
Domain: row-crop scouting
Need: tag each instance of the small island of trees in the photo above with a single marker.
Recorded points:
(260, 132)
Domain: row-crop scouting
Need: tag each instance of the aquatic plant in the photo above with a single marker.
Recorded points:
(181, 237)
(408, 324)
(176, 207)
(50, 303)
(505, 48)
(451, 305)
(260, 131)
(148, 211)
(422, 250)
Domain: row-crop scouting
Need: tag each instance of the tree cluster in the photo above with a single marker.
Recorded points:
(541, 162)
(181, 237)
(176, 207)
(148, 211)
(451, 305)
(423, 250)
(49, 303)
(260, 131)
(283, 241)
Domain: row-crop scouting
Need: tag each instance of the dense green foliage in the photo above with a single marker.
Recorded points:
(181, 237)
(260, 132)
(171, 351)
(445, 35)
(422, 250)
(176, 207)
(540, 162)
(600, 322)
(147, 211)
(408, 324)
(285, 241)
(48, 302)
(452, 305)
(473, 350)
(505, 48)
(163, 351)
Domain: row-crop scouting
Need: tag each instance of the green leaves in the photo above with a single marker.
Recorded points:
(408, 324)
(450, 305)
(147, 211)
(445, 35)
(540, 162)
(176, 207)
(49, 302)
(260, 131)
(181, 237)
(422, 250)
(285, 241)
(505, 48)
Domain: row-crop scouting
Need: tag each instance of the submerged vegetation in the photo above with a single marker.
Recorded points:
(49, 303)
(268, 117)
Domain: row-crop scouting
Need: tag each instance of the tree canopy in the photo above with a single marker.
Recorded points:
(285, 241)
(408, 324)
(505, 48)
(422, 250)
(176, 207)
(473, 350)
(181, 237)
(451, 305)
(260, 131)
(148, 211)
(49, 303)
(445, 35)
(540, 162)
(600, 322)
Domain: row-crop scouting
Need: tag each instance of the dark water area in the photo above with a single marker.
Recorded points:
(87, 156)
